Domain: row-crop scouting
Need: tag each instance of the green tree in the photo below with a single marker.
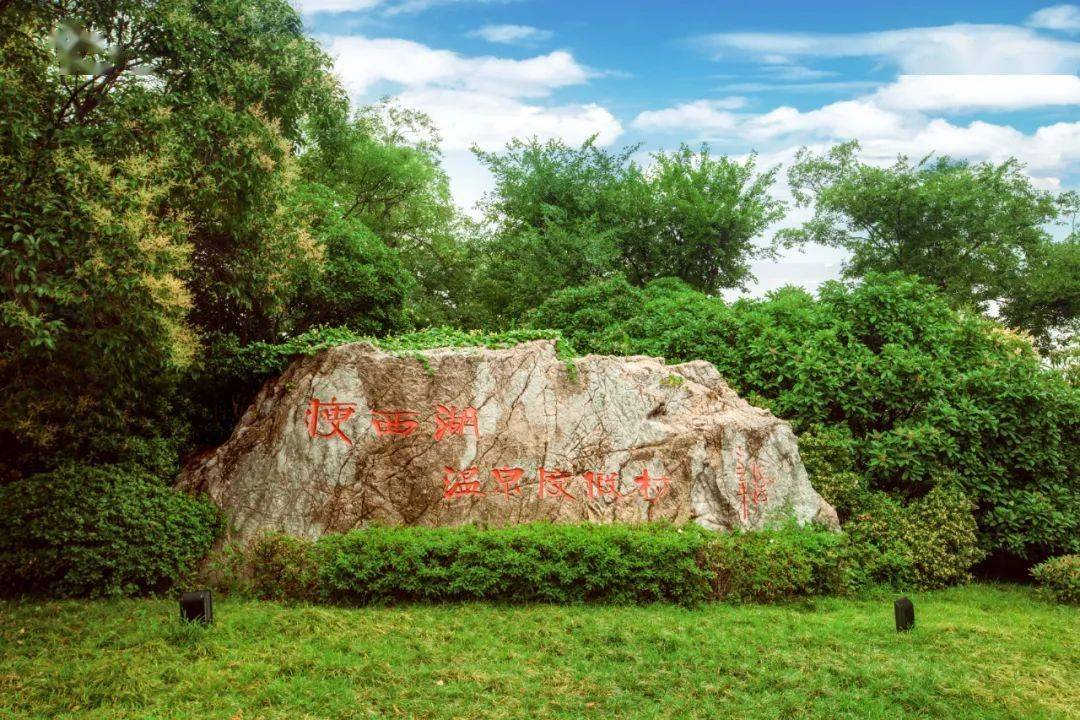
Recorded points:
(702, 215)
(561, 216)
(380, 209)
(556, 215)
(972, 230)
(93, 307)
(1046, 301)
(162, 193)
(234, 80)
(360, 283)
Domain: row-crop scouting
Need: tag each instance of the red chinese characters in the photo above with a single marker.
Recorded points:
(756, 491)
(602, 485)
(553, 483)
(461, 482)
(451, 421)
(320, 414)
(646, 485)
(394, 422)
(509, 479)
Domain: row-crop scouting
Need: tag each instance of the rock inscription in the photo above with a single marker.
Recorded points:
(355, 435)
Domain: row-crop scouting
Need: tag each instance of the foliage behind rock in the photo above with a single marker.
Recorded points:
(923, 393)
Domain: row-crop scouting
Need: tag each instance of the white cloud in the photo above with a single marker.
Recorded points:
(796, 72)
(363, 62)
(1049, 152)
(474, 100)
(848, 118)
(511, 34)
(489, 121)
(1057, 17)
(978, 92)
(414, 6)
(387, 8)
(828, 86)
(311, 7)
(961, 49)
(1052, 148)
(892, 116)
(700, 114)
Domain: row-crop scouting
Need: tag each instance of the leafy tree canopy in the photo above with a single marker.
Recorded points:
(975, 231)
(190, 171)
(1046, 301)
(562, 216)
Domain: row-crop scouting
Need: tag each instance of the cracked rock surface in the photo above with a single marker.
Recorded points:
(356, 435)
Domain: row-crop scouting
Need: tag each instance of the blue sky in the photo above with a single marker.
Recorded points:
(981, 80)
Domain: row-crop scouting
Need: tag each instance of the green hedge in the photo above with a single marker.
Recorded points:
(545, 562)
(782, 564)
(537, 562)
(106, 530)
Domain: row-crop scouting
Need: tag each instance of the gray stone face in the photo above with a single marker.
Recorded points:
(355, 435)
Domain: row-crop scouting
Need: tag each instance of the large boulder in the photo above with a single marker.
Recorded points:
(357, 435)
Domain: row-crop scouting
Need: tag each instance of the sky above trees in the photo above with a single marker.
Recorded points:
(971, 80)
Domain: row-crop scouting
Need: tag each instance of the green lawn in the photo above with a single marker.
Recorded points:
(977, 652)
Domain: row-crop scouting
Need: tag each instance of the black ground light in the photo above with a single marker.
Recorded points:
(904, 611)
(197, 606)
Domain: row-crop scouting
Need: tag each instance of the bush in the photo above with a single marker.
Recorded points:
(107, 530)
(558, 563)
(928, 543)
(589, 311)
(1060, 578)
(535, 562)
(828, 452)
(782, 564)
(924, 392)
(943, 536)
(880, 548)
(283, 567)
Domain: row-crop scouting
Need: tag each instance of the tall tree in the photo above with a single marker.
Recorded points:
(561, 216)
(381, 208)
(704, 215)
(1046, 301)
(150, 165)
(973, 230)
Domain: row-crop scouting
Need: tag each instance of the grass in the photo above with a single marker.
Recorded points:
(977, 652)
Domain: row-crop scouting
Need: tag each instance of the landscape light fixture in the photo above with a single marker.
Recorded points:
(197, 606)
(905, 614)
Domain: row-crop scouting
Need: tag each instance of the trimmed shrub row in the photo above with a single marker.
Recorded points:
(117, 530)
(545, 562)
